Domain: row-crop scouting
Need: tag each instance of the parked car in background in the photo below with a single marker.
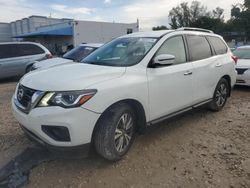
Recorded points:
(17, 58)
(127, 85)
(74, 55)
(232, 49)
(243, 65)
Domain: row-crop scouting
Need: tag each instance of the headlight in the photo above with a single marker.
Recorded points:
(67, 99)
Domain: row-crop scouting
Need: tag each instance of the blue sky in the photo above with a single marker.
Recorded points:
(149, 12)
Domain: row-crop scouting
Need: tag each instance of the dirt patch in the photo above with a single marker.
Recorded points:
(197, 149)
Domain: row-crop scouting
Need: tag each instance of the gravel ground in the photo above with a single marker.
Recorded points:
(197, 149)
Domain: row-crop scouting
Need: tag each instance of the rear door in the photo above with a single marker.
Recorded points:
(14, 58)
(207, 67)
(28, 53)
(170, 87)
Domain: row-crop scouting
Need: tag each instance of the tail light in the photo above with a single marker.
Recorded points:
(235, 58)
(49, 56)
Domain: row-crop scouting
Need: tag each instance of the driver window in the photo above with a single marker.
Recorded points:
(174, 46)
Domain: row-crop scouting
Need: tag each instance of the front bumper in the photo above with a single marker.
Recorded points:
(79, 122)
(243, 79)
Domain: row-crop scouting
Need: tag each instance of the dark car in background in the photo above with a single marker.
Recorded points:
(75, 55)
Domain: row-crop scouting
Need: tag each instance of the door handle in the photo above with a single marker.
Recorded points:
(218, 65)
(188, 73)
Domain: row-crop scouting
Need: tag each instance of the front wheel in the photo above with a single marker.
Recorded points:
(115, 132)
(221, 94)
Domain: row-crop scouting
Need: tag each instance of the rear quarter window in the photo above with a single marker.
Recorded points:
(218, 45)
(8, 51)
(199, 47)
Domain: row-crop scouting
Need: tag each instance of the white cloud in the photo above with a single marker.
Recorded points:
(152, 13)
(72, 10)
(11, 10)
(149, 12)
(107, 1)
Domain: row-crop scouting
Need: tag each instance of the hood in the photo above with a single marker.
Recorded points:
(243, 63)
(51, 62)
(68, 77)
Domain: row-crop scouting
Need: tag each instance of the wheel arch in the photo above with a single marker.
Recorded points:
(28, 65)
(227, 77)
(138, 109)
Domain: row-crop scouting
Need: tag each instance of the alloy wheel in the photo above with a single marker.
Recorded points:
(123, 132)
(221, 95)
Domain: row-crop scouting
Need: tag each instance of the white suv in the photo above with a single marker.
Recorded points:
(128, 84)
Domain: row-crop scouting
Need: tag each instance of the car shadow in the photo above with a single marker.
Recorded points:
(16, 172)
(242, 88)
(9, 80)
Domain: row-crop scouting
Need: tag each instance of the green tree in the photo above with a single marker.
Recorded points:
(240, 19)
(215, 24)
(247, 4)
(235, 11)
(184, 15)
(162, 27)
(218, 13)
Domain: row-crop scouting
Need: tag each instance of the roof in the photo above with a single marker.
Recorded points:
(157, 34)
(153, 34)
(95, 45)
(244, 47)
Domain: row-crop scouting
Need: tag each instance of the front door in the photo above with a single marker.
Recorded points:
(170, 87)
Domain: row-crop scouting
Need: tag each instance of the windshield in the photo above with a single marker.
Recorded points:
(121, 52)
(78, 53)
(242, 53)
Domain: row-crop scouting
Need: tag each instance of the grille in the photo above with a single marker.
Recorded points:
(24, 95)
(241, 71)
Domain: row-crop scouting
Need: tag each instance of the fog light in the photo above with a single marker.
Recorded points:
(58, 133)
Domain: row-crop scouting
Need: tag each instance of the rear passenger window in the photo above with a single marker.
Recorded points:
(218, 44)
(29, 49)
(17, 50)
(199, 47)
(174, 46)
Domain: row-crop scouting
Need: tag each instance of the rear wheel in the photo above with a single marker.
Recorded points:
(115, 132)
(221, 94)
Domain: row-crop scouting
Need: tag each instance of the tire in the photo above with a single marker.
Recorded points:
(220, 96)
(115, 132)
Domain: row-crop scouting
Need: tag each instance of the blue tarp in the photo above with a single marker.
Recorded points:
(66, 31)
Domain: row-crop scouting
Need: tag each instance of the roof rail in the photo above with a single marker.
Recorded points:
(194, 29)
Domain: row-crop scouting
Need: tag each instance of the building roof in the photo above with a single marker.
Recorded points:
(64, 31)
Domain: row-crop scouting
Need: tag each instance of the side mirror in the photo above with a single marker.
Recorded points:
(164, 59)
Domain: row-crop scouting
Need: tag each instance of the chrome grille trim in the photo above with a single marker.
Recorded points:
(29, 99)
